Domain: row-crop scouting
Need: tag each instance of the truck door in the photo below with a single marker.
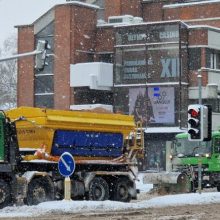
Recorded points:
(214, 164)
(2, 150)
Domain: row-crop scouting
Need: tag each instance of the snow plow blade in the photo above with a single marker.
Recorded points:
(169, 182)
(158, 178)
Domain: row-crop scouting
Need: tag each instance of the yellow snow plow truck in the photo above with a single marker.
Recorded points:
(104, 146)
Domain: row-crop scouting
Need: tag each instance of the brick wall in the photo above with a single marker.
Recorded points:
(123, 7)
(198, 11)
(153, 11)
(62, 57)
(74, 37)
(105, 39)
(25, 85)
(198, 37)
(83, 33)
(131, 7)
(112, 8)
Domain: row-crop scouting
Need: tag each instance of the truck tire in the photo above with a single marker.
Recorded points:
(120, 190)
(184, 184)
(98, 189)
(218, 187)
(39, 190)
(5, 195)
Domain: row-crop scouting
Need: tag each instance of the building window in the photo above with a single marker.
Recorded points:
(44, 84)
(44, 79)
(215, 60)
(105, 58)
(44, 100)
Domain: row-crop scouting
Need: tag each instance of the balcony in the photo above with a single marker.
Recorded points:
(211, 90)
(97, 75)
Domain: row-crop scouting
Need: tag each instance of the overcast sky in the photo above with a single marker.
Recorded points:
(17, 12)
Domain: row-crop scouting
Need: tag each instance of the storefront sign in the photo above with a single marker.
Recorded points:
(134, 69)
(169, 34)
(136, 37)
(149, 33)
(170, 67)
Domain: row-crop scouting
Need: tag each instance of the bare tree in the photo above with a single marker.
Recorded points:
(8, 74)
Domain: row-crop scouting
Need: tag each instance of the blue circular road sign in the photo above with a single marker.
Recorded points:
(66, 164)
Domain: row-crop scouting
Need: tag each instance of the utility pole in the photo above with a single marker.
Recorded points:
(200, 159)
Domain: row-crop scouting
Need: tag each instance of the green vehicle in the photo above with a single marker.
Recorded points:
(187, 155)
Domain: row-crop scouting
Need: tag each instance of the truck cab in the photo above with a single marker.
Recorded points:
(9, 159)
(186, 156)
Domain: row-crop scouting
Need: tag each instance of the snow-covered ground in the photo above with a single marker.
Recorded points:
(91, 206)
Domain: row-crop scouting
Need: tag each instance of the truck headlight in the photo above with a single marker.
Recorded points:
(207, 155)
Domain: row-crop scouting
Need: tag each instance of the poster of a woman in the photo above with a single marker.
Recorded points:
(140, 106)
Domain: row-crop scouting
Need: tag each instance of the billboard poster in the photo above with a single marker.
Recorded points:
(162, 102)
(138, 104)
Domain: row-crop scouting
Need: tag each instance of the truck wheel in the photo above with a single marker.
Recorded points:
(39, 190)
(98, 189)
(218, 187)
(5, 195)
(184, 184)
(120, 190)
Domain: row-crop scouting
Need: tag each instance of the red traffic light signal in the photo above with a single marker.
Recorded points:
(199, 122)
(195, 122)
(194, 113)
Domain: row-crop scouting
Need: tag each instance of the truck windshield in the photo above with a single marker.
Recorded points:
(184, 148)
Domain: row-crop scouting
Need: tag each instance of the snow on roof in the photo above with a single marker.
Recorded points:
(203, 26)
(81, 4)
(151, 130)
(151, 84)
(190, 4)
(59, 4)
(140, 24)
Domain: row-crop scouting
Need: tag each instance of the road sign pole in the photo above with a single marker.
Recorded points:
(67, 189)
(66, 167)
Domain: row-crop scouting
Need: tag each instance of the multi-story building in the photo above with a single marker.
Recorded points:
(142, 57)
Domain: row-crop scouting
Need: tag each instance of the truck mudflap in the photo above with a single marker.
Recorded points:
(20, 190)
(169, 182)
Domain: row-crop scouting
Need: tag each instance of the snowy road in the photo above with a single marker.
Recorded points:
(182, 206)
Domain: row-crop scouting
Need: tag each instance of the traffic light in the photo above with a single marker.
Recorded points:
(199, 122)
(195, 122)
(41, 55)
(207, 122)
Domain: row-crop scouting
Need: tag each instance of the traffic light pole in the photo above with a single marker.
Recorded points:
(200, 88)
(17, 56)
(200, 159)
(40, 55)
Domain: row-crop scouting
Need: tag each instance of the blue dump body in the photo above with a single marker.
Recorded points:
(87, 143)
